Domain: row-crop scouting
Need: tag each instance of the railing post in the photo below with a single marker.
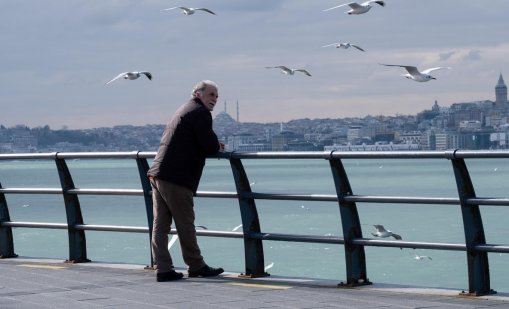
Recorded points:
(6, 240)
(77, 240)
(356, 272)
(478, 266)
(253, 248)
(143, 168)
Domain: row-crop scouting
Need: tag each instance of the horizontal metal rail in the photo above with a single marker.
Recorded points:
(277, 196)
(353, 241)
(447, 154)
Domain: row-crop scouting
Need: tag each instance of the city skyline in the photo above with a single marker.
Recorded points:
(59, 56)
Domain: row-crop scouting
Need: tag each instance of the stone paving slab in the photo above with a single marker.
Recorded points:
(41, 283)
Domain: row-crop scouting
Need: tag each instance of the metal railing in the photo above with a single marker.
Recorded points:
(353, 241)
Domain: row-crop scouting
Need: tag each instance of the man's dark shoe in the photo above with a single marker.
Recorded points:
(206, 271)
(169, 276)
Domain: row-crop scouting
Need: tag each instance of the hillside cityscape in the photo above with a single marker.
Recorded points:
(469, 125)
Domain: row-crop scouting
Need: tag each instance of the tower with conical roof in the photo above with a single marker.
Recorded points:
(500, 93)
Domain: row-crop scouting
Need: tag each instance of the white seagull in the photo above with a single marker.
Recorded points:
(189, 11)
(131, 75)
(174, 237)
(382, 232)
(422, 257)
(344, 46)
(288, 71)
(237, 227)
(414, 74)
(357, 8)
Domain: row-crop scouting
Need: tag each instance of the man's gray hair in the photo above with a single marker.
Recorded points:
(201, 86)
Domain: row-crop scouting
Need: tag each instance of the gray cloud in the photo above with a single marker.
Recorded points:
(446, 56)
(472, 55)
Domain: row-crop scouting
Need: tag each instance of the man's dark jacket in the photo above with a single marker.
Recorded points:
(187, 140)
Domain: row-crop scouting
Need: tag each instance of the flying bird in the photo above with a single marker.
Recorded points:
(237, 227)
(175, 237)
(288, 71)
(344, 46)
(131, 76)
(416, 75)
(422, 257)
(357, 8)
(189, 11)
(382, 232)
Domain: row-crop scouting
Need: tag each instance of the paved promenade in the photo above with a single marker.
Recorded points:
(32, 283)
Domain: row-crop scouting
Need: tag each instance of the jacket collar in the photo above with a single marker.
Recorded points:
(198, 100)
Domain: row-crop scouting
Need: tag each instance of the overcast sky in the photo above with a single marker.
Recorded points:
(57, 55)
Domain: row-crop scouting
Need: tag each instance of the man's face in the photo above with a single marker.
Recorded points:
(208, 97)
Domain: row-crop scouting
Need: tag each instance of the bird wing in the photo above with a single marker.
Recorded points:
(396, 236)
(203, 227)
(303, 71)
(427, 71)
(335, 7)
(172, 241)
(175, 7)
(375, 1)
(411, 69)
(355, 6)
(357, 47)
(147, 74)
(117, 77)
(330, 44)
(284, 68)
(379, 228)
(206, 10)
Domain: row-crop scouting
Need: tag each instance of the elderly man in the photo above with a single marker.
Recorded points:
(175, 174)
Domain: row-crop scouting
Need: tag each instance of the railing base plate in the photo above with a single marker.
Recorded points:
(244, 276)
(77, 261)
(475, 294)
(8, 256)
(359, 282)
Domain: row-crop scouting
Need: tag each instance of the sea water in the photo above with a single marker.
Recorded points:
(384, 177)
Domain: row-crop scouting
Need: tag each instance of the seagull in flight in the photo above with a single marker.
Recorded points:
(131, 76)
(357, 8)
(189, 11)
(288, 71)
(175, 237)
(344, 46)
(422, 257)
(382, 232)
(416, 75)
(237, 227)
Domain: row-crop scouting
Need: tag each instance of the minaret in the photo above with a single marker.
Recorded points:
(237, 110)
(500, 93)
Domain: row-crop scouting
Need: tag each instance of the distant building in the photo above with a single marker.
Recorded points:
(280, 141)
(501, 93)
(413, 137)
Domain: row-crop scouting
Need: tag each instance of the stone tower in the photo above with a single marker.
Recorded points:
(500, 93)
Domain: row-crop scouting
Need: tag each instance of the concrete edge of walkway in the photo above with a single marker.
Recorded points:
(282, 281)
